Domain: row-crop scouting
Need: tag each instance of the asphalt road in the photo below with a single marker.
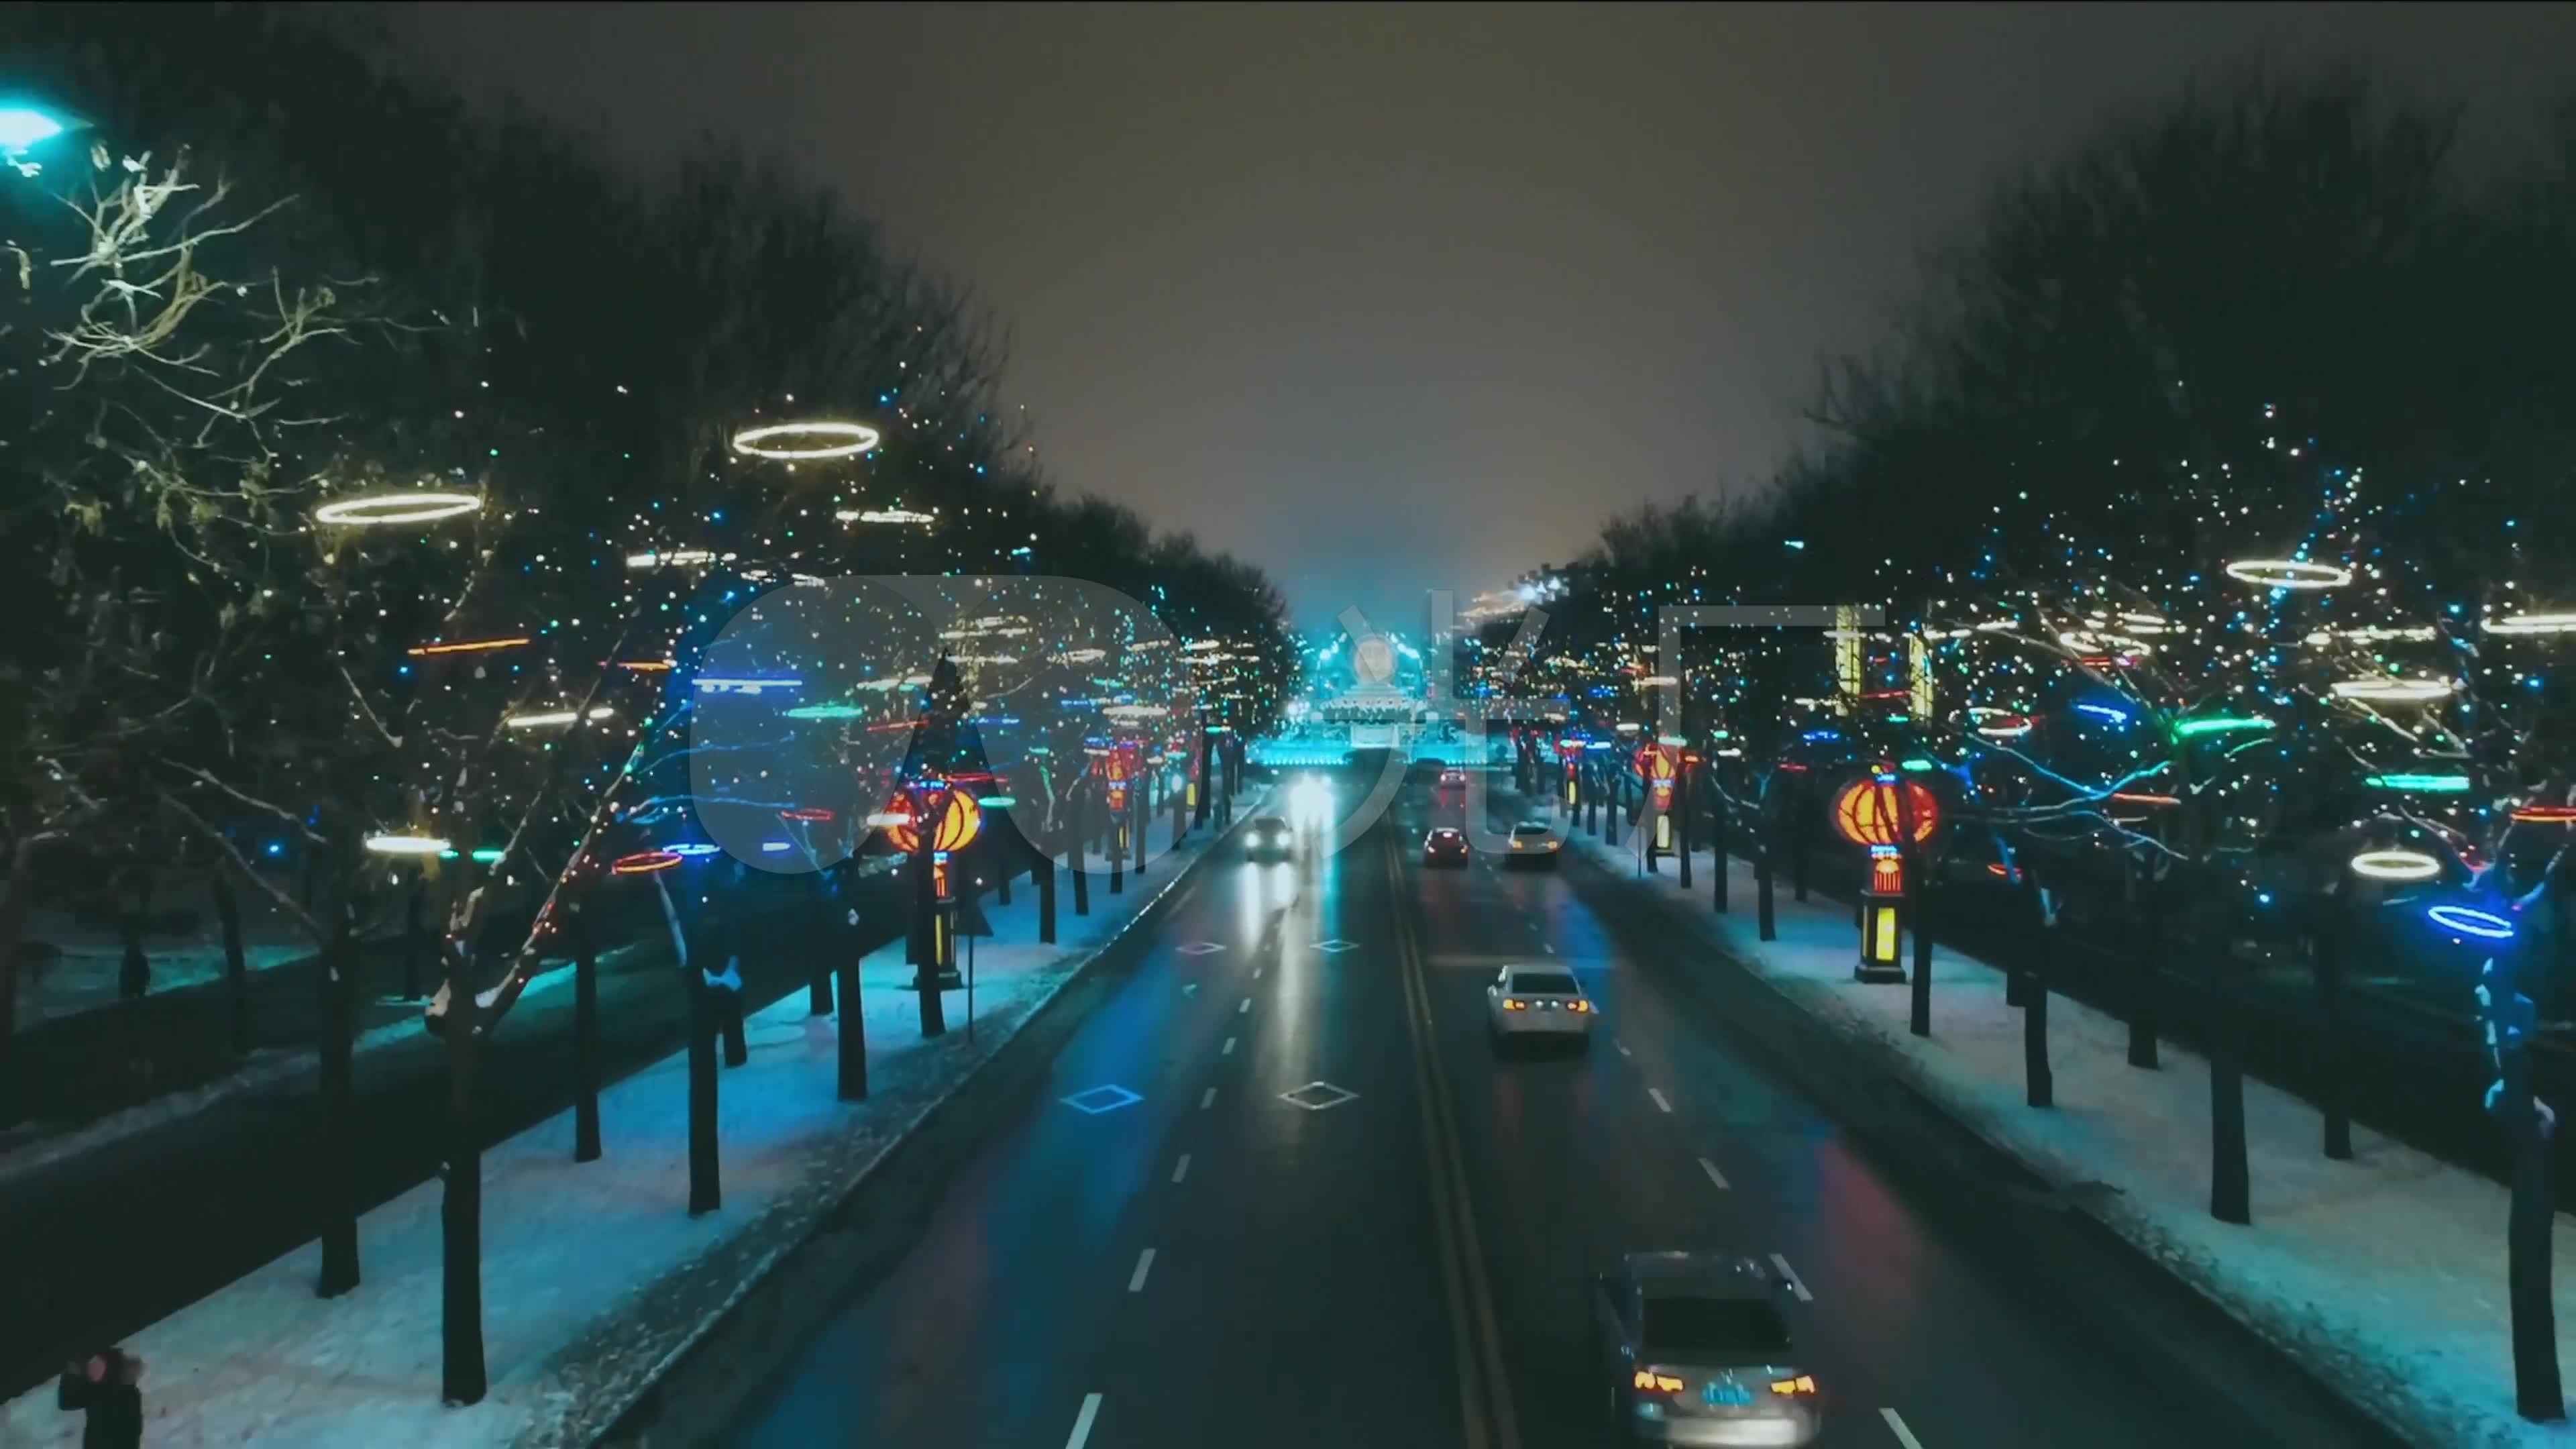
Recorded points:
(1214, 1263)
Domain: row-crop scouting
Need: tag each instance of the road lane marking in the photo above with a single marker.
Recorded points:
(1658, 1094)
(1207, 1099)
(1551, 950)
(1796, 1284)
(1622, 1046)
(1081, 1434)
(1256, 973)
(1705, 1165)
(1144, 1265)
(1896, 1425)
(1229, 1048)
(1181, 1169)
(1246, 1006)
(1443, 1225)
(1445, 1142)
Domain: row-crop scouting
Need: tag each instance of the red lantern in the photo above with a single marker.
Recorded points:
(960, 821)
(1866, 812)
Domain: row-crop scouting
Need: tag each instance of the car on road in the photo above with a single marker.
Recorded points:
(1694, 1349)
(1445, 846)
(1453, 782)
(1268, 838)
(1538, 1003)
(1534, 843)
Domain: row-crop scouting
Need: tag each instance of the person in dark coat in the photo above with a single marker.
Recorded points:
(109, 1390)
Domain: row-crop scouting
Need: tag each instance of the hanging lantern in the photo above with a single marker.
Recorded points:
(959, 822)
(1866, 812)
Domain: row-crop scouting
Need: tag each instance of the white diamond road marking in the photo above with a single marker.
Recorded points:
(1318, 1096)
(1101, 1099)
(1201, 948)
(1336, 947)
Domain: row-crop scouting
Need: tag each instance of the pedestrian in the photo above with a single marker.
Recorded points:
(109, 1390)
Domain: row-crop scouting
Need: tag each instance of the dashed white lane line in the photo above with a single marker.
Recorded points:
(1896, 1426)
(1256, 973)
(1246, 1006)
(1551, 950)
(1144, 1265)
(1207, 1099)
(1622, 1046)
(1797, 1284)
(1081, 1434)
(1181, 1169)
(1705, 1165)
(1229, 1048)
(1658, 1094)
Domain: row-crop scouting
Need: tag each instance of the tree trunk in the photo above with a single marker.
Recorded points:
(338, 1129)
(1681, 827)
(853, 1044)
(460, 1213)
(1042, 871)
(1918, 914)
(2529, 1222)
(1766, 926)
(926, 975)
(236, 965)
(2041, 1081)
(1117, 854)
(2230, 1185)
(1797, 847)
(415, 940)
(737, 1047)
(2326, 962)
(1141, 812)
(818, 989)
(1081, 878)
(585, 1023)
(15, 894)
(1718, 846)
(706, 1191)
(2145, 999)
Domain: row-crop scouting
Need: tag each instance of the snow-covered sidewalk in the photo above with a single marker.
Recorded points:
(2384, 1274)
(71, 961)
(594, 1276)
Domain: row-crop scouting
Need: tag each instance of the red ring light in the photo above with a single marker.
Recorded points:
(644, 862)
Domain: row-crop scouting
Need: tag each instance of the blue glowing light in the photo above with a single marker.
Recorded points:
(2104, 711)
(2468, 922)
(693, 849)
(25, 126)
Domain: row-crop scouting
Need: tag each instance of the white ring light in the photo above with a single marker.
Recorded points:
(854, 439)
(410, 506)
(2534, 624)
(406, 845)
(2288, 573)
(2393, 691)
(2396, 865)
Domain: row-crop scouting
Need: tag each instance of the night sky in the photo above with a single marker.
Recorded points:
(1394, 299)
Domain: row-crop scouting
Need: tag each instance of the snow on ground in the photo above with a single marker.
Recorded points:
(2385, 1274)
(594, 1276)
(72, 963)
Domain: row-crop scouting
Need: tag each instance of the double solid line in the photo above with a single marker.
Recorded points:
(1487, 1415)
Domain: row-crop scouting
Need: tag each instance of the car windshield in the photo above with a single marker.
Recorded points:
(1529, 830)
(1714, 1326)
(1546, 983)
(1444, 836)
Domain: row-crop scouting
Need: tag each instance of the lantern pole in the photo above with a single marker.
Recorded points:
(1880, 813)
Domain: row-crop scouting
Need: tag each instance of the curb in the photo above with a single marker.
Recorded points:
(2048, 1234)
(701, 1383)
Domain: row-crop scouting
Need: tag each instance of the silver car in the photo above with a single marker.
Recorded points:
(1695, 1350)
(1538, 1004)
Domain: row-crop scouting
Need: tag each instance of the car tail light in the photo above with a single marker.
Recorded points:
(1802, 1384)
(1578, 1006)
(1514, 1003)
(1654, 1383)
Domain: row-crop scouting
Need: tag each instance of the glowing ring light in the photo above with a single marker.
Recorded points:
(385, 509)
(854, 439)
(466, 646)
(696, 848)
(806, 813)
(644, 862)
(2393, 691)
(2396, 865)
(2545, 814)
(2470, 923)
(407, 845)
(2288, 573)
(2534, 624)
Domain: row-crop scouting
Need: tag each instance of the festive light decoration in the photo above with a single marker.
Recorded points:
(643, 666)
(2221, 725)
(726, 684)
(644, 862)
(380, 510)
(1998, 724)
(2427, 784)
(2534, 624)
(886, 515)
(2396, 865)
(553, 718)
(959, 823)
(805, 442)
(2545, 814)
(25, 126)
(2393, 691)
(1866, 810)
(677, 558)
(826, 711)
(2289, 573)
(468, 646)
(694, 849)
(406, 845)
(2467, 922)
(2127, 797)
(808, 814)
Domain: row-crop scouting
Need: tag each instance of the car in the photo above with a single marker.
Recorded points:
(1534, 843)
(1452, 780)
(1268, 837)
(1445, 846)
(1538, 1003)
(1694, 1349)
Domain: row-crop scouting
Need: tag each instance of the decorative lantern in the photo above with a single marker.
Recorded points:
(959, 823)
(1661, 764)
(1874, 812)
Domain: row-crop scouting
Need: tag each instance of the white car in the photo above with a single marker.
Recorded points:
(1539, 1003)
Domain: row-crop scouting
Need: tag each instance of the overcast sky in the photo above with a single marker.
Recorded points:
(1387, 299)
